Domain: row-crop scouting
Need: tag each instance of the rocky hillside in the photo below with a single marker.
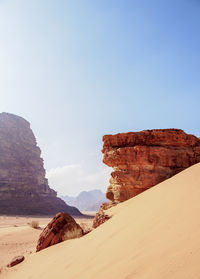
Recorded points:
(87, 200)
(23, 186)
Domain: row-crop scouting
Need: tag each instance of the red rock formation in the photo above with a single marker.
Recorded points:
(101, 216)
(24, 190)
(143, 159)
(61, 227)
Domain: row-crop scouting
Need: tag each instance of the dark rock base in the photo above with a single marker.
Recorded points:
(46, 206)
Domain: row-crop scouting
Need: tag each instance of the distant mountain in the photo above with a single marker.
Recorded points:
(86, 200)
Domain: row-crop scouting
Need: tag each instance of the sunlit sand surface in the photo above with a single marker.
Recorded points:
(17, 237)
(155, 235)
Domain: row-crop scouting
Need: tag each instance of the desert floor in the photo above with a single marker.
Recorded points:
(17, 237)
(155, 235)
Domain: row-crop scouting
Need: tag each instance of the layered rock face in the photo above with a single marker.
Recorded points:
(23, 186)
(143, 159)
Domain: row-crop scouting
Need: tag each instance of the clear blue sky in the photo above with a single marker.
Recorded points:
(77, 70)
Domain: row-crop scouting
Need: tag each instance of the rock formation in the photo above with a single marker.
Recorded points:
(24, 189)
(143, 159)
(101, 216)
(61, 228)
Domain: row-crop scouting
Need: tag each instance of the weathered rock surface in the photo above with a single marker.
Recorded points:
(61, 228)
(101, 216)
(16, 261)
(24, 189)
(141, 160)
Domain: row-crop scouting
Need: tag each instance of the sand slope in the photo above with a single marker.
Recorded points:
(155, 235)
(15, 242)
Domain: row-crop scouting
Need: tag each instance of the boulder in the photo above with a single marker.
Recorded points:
(62, 227)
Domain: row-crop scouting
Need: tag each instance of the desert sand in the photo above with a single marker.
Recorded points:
(17, 237)
(155, 235)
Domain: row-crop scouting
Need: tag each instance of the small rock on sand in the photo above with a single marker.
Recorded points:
(15, 261)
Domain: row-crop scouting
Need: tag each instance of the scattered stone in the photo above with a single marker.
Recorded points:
(61, 228)
(16, 261)
(102, 216)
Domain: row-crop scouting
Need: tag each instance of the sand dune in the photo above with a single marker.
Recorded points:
(19, 238)
(155, 235)
(17, 241)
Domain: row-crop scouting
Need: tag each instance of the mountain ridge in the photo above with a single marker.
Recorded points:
(86, 200)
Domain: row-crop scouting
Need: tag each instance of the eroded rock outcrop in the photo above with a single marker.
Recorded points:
(23, 186)
(141, 160)
(102, 216)
(62, 227)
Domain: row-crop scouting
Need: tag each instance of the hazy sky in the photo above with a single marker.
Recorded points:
(79, 69)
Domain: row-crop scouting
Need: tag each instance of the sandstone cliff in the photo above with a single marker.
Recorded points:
(143, 159)
(23, 186)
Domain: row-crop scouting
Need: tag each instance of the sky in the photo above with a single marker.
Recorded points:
(80, 69)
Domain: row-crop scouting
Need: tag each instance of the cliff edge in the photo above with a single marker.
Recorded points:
(24, 190)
